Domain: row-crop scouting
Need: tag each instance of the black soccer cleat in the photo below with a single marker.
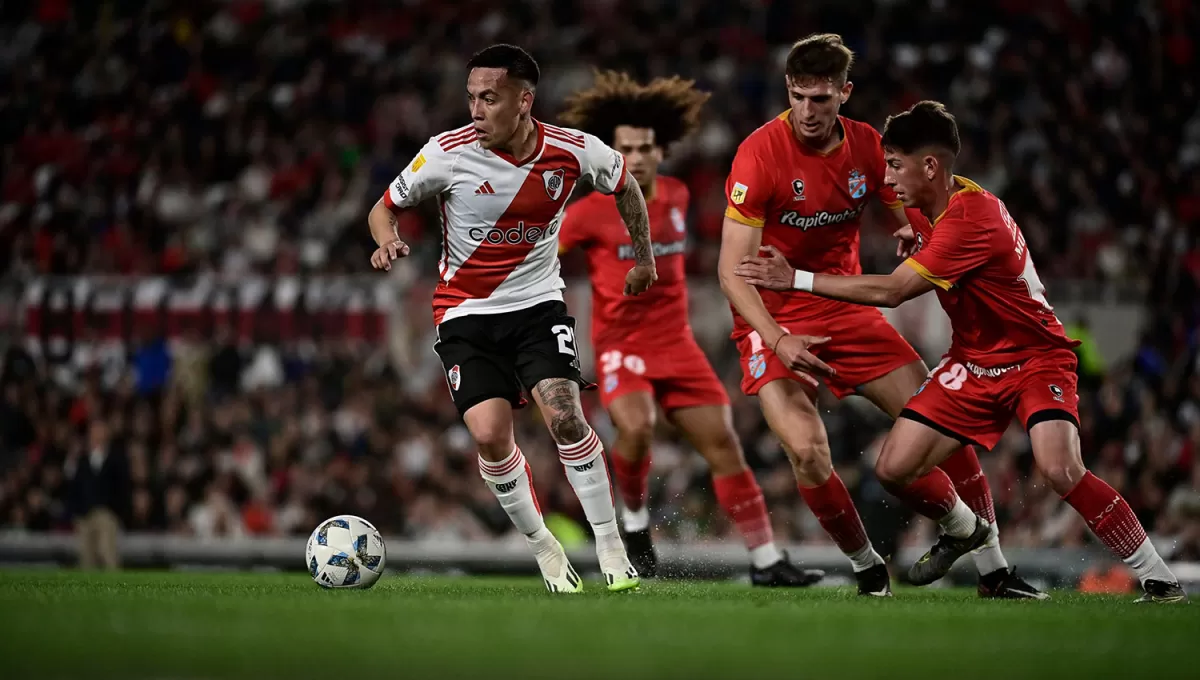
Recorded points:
(640, 548)
(1162, 592)
(874, 582)
(784, 574)
(1004, 584)
(941, 557)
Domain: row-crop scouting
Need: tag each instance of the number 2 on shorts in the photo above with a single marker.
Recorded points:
(566, 338)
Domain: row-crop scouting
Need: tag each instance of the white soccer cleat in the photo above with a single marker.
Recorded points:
(619, 573)
(557, 572)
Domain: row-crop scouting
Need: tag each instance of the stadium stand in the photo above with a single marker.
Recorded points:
(154, 153)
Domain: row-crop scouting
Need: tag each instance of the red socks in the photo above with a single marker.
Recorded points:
(966, 474)
(1107, 515)
(632, 479)
(834, 509)
(932, 495)
(742, 499)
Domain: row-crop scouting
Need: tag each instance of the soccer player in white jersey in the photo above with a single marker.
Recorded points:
(501, 184)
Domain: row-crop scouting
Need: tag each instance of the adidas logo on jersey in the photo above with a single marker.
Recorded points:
(485, 189)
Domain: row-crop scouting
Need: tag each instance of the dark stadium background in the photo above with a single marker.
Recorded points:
(183, 195)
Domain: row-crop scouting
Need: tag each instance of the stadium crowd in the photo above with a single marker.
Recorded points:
(250, 137)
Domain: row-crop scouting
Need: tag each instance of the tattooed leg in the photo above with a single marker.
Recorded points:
(558, 399)
(579, 449)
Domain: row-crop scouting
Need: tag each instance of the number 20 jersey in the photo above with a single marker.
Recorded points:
(975, 254)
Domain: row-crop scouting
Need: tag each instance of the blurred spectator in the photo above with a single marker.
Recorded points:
(100, 490)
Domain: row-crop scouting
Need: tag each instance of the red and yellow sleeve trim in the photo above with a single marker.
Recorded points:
(733, 214)
(927, 275)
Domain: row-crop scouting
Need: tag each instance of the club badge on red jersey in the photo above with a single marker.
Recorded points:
(678, 221)
(857, 184)
(798, 189)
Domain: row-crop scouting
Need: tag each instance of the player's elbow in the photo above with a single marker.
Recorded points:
(890, 298)
(379, 212)
(729, 281)
(896, 292)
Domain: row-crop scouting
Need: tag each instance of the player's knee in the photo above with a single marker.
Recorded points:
(724, 455)
(896, 468)
(636, 432)
(893, 471)
(811, 461)
(493, 437)
(1063, 475)
(569, 426)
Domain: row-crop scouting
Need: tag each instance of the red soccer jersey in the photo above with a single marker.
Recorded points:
(807, 202)
(657, 317)
(976, 255)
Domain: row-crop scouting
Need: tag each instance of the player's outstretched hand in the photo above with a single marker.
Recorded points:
(906, 241)
(384, 254)
(640, 278)
(792, 350)
(771, 272)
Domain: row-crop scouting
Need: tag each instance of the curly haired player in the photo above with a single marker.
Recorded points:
(645, 352)
(798, 187)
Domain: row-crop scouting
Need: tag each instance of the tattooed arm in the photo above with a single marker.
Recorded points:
(632, 206)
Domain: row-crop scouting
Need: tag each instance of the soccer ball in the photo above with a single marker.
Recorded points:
(345, 552)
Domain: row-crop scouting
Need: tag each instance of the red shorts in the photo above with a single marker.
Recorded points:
(975, 404)
(862, 347)
(678, 376)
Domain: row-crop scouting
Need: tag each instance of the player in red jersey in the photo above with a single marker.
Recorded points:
(645, 352)
(799, 184)
(1009, 355)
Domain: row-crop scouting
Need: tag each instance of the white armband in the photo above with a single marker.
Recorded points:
(803, 281)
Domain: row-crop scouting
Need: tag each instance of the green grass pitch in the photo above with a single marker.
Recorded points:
(65, 624)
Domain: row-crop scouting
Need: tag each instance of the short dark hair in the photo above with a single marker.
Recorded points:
(511, 58)
(820, 56)
(669, 106)
(926, 125)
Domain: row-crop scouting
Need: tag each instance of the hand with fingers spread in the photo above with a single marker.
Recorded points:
(771, 272)
(384, 254)
(793, 351)
(640, 278)
(906, 245)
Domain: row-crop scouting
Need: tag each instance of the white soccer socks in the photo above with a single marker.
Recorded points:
(512, 483)
(588, 474)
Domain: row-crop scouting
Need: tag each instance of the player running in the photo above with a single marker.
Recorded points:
(645, 351)
(501, 184)
(799, 184)
(1009, 355)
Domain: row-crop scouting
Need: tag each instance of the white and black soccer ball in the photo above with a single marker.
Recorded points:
(345, 552)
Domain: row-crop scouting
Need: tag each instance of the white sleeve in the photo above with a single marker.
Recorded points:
(426, 175)
(603, 166)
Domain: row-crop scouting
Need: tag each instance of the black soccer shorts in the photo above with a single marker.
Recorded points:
(489, 356)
